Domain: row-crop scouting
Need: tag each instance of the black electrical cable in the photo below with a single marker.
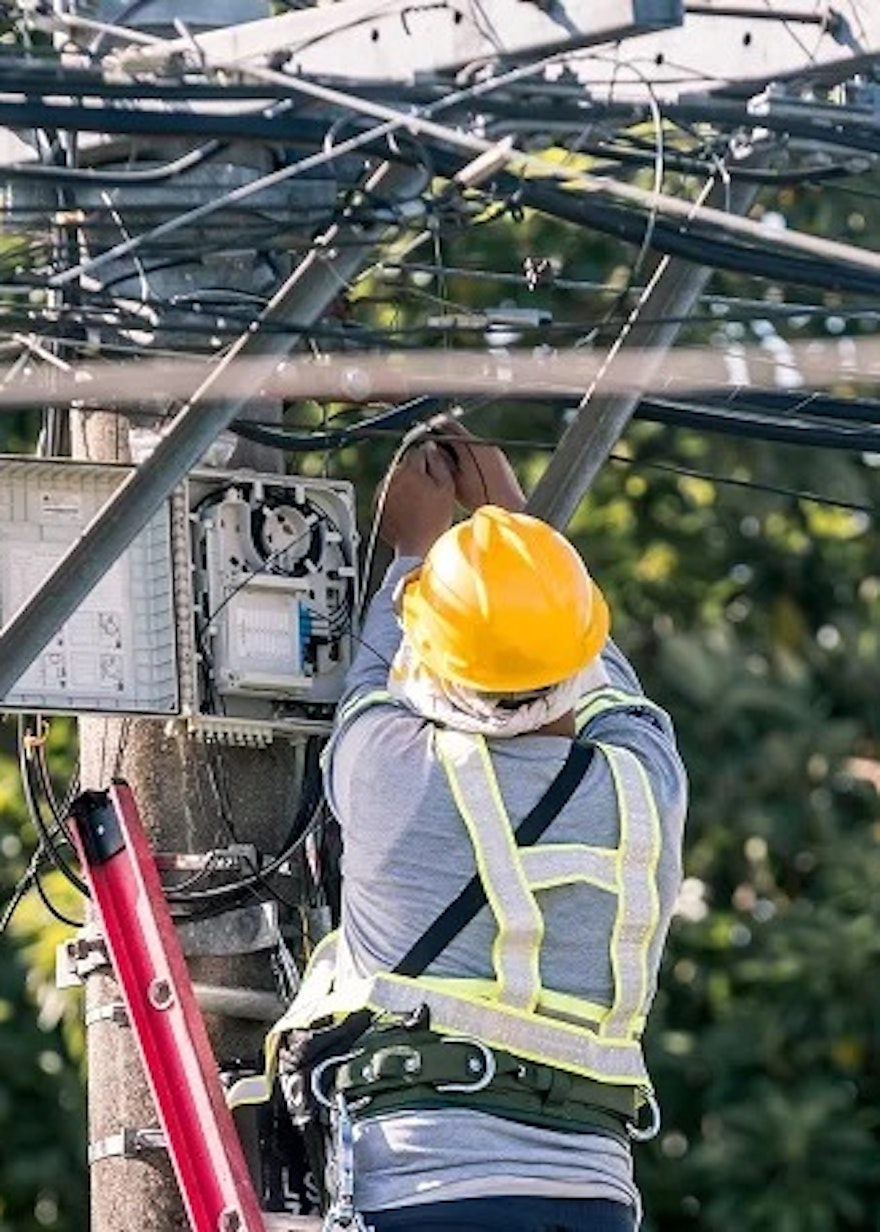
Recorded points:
(694, 164)
(638, 464)
(682, 414)
(114, 179)
(283, 129)
(816, 404)
(398, 417)
(690, 472)
(57, 810)
(48, 837)
(512, 100)
(21, 887)
(668, 237)
(35, 79)
(766, 415)
(606, 216)
(54, 911)
(309, 800)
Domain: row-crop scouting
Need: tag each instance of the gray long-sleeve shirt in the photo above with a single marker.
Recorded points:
(407, 855)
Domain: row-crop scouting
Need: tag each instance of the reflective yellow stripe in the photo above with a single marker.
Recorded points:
(517, 946)
(638, 853)
(628, 871)
(311, 1000)
(554, 864)
(376, 697)
(599, 700)
(545, 1041)
(577, 1010)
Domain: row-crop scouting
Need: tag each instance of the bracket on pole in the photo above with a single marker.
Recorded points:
(127, 1144)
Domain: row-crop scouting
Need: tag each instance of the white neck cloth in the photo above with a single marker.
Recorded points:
(443, 701)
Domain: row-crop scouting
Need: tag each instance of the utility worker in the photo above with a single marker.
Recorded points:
(498, 1087)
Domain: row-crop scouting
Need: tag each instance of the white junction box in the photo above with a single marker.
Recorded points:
(117, 652)
(233, 609)
(274, 594)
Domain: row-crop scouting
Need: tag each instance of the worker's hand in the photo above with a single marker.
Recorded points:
(419, 501)
(483, 476)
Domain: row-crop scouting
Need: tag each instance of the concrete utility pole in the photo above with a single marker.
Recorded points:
(176, 781)
(189, 793)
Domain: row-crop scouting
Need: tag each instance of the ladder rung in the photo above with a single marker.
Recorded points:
(291, 1223)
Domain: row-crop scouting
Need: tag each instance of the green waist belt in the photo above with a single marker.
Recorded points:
(397, 1068)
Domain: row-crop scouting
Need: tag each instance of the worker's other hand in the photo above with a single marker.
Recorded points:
(419, 501)
(483, 475)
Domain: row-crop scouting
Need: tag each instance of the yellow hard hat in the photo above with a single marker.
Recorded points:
(503, 603)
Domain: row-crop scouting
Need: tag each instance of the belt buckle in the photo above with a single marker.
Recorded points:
(489, 1066)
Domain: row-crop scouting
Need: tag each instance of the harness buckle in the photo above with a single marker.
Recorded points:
(342, 1213)
(489, 1065)
(317, 1076)
(644, 1133)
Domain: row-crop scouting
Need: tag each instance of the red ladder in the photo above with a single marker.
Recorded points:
(131, 908)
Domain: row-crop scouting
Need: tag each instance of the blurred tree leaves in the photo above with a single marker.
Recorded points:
(43, 1181)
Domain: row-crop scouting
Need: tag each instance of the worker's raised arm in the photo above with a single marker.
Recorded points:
(416, 505)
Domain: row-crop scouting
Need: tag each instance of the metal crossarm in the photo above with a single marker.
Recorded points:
(129, 902)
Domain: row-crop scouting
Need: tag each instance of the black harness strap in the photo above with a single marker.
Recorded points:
(454, 918)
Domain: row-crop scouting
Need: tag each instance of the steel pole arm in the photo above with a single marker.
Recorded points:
(603, 416)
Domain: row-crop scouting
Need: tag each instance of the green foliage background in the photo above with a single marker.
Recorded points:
(42, 1108)
(754, 617)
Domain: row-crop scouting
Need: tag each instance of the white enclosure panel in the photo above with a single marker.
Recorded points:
(117, 653)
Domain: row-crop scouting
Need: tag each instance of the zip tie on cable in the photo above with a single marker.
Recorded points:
(31, 741)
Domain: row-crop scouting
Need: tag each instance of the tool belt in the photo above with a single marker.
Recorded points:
(399, 1068)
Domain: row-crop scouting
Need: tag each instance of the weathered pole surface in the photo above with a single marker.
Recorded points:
(183, 788)
(189, 793)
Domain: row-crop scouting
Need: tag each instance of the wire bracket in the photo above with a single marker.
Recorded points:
(79, 957)
(128, 1144)
(112, 1011)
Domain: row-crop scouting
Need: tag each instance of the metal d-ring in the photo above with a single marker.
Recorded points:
(319, 1071)
(489, 1066)
(644, 1133)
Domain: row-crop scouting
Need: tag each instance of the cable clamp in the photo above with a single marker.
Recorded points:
(128, 1144)
(112, 1011)
(78, 957)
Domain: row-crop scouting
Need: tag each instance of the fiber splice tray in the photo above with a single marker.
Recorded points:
(274, 598)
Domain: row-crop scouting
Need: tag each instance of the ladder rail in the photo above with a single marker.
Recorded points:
(131, 908)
